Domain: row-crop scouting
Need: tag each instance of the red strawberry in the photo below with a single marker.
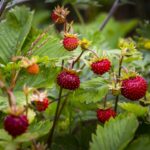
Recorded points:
(104, 115)
(70, 42)
(33, 69)
(54, 17)
(68, 80)
(42, 105)
(101, 66)
(134, 88)
(16, 125)
(59, 14)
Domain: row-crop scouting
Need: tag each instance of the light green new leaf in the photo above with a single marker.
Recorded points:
(137, 109)
(142, 143)
(116, 134)
(14, 31)
(91, 91)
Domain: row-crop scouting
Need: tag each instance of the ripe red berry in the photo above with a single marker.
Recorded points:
(104, 115)
(134, 88)
(41, 105)
(68, 80)
(16, 125)
(70, 42)
(33, 69)
(54, 17)
(101, 66)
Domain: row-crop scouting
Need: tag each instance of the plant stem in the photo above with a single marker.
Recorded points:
(3, 5)
(62, 107)
(14, 79)
(93, 52)
(119, 75)
(16, 3)
(51, 133)
(11, 97)
(77, 59)
(110, 14)
(78, 14)
(9, 92)
(105, 101)
(65, 27)
(27, 104)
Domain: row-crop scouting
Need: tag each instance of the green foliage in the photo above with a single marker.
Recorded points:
(136, 109)
(36, 130)
(20, 99)
(18, 37)
(116, 133)
(108, 38)
(14, 31)
(90, 91)
(142, 142)
(4, 135)
(144, 30)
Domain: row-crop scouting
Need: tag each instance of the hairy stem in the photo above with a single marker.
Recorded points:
(110, 14)
(77, 59)
(14, 79)
(119, 75)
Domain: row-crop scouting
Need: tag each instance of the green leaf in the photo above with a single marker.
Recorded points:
(35, 131)
(8, 145)
(142, 142)
(53, 48)
(116, 133)
(14, 31)
(46, 78)
(137, 109)
(90, 91)
(4, 135)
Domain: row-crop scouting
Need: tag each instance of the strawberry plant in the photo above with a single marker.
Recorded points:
(80, 88)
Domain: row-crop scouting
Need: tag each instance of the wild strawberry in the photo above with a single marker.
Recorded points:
(40, 101)
(59, 14)
(33, 69)
(70, 42)
(134, 88)
(41, 105)
(104, 115)
(16, 125)
(101, 66)
(54, 16)
(68, 80)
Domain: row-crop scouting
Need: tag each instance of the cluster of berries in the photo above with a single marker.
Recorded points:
(133, 87)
